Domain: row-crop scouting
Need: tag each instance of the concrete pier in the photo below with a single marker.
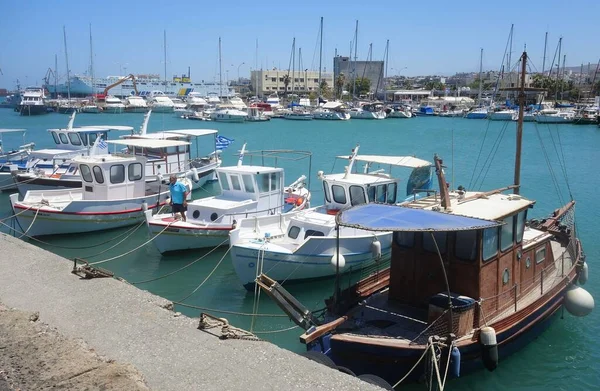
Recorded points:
(154, 347)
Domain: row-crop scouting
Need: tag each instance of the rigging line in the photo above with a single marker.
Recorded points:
(181, 268)
(275, 331)
(425, 351)
(207, 277)
(493, 155)
(119, 242)
(484, 164)
(552, 175)
(134, 249)
(480, 151)
(32, 221)
(229, 312)
(562, 152)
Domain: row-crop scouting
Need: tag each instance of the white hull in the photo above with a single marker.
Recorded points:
(80, 216)
(501, 116)
(113, 109)
(136, 109)
(312, 260)
(298, 116)
(162, 109)
(367, 115)
(553, 119)
(399, 114)
(332, 116)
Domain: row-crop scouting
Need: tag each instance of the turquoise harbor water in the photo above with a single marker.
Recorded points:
(566, 356)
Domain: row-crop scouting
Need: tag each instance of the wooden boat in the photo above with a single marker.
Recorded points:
(470, 281)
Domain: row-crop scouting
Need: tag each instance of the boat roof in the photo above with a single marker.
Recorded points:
(478, 205)
(95, 128)
(12, 130)
(149, 143)
(332, 105)
(105, 158)
(403, 161)
(359, 178)
(250, 169)
(193, 132)
(52, 153)
(383, 217)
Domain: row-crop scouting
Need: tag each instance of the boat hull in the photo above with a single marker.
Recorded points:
(311, 261)
(27, 110)
(476, 116)
(552, 119)
(134, 109)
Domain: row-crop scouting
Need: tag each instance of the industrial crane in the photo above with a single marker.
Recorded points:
(121, 80)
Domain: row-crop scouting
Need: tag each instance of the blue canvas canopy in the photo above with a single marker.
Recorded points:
(381, 217)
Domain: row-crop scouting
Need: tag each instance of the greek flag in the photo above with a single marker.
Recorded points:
(222, 142)
(102, 145)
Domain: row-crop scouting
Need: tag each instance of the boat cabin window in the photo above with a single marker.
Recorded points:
(391, 193)
(117, 173)
(235, 182)
(135, 171)
(275, 181)
(381, 190)
(74, 138)
(223, 181)
(405, 239)
(520, 226)
(490, 243)
(248, 183)
(339, 194)
(506, 233)
(55, 137)
(372, 190)
(465, 245)
(63, 138)
(98, 174)
(263, 183)
(86, 173)
(310, 232)
(540, 255)
(326, 190)
(293, 232)
(429, 244)
(357, 195)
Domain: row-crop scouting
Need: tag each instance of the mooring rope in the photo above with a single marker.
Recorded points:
(229, 312)
(131, 232)
(37, 211)
(207, 277)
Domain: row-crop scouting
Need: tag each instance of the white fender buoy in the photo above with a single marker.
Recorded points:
(489, 347)
(195, 175)
(582, 277)
(578, 301)
(334, 261)
(144, 206)
(376, 249)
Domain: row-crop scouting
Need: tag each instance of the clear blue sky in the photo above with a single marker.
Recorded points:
(426, 37)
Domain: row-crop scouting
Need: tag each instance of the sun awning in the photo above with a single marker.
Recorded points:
(404, 161)
(11, 130)
(193, 132)
(381, 217)
(95, 128)
(148, 143)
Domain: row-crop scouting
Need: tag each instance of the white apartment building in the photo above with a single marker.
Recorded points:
(267, 82)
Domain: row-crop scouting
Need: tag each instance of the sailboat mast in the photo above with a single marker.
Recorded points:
(165, 56)
(520, 124)
(92, 63)
(355, 58)
(67, 62)
(56, 76)
(320, 57)
(293, 66)
(220, 71)
(480, 71)
(544, 60)
(558, 69)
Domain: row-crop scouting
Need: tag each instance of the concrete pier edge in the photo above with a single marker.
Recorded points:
(123, 323)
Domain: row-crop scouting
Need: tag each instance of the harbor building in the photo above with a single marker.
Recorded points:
(271, 81)
(372, 70)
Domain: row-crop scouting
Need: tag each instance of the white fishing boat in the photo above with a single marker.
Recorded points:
(300, 245)
(502, 115)
(245, 190)
(255, 114)
(135, 104)
(368, 111)
(477, 113)
(160, 103)
(555, 116)
(33, 102)
(12, 159)
(113, 105)
(331, 111)
(114, 193)
(228, 114)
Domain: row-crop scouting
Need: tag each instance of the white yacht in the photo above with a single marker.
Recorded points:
(237, 103)
(368, 111)
(302, 245)
(331, 111)
(245, 190)
(213, 98)
(160, 103)
(113, 105)
(273, 100)
(195, 102)
(502, 115)
(477, 113)
(33, 102)
(398, 112)
(228, 114)
(298, 115)
(555, 116)
(135, 104)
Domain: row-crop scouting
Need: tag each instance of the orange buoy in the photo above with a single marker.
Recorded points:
(299, 201)
(332, 211)
(290, 200)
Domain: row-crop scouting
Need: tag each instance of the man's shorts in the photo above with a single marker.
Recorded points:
(178, 208)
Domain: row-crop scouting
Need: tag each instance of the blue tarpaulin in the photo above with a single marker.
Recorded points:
(381, 217)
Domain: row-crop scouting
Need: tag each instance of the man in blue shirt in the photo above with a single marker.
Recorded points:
(179, 193)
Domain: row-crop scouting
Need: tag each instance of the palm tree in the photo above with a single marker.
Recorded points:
(286, 82)
(339, 84)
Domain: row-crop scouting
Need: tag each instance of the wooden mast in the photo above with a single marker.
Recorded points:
(520, 124)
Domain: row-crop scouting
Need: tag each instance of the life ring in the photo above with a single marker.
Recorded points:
(299, 201)
(290, 200)
(332, 211)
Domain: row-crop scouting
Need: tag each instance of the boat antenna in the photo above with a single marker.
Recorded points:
(241, 158)
(320, 58)
(67, 61)
(517, 181)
